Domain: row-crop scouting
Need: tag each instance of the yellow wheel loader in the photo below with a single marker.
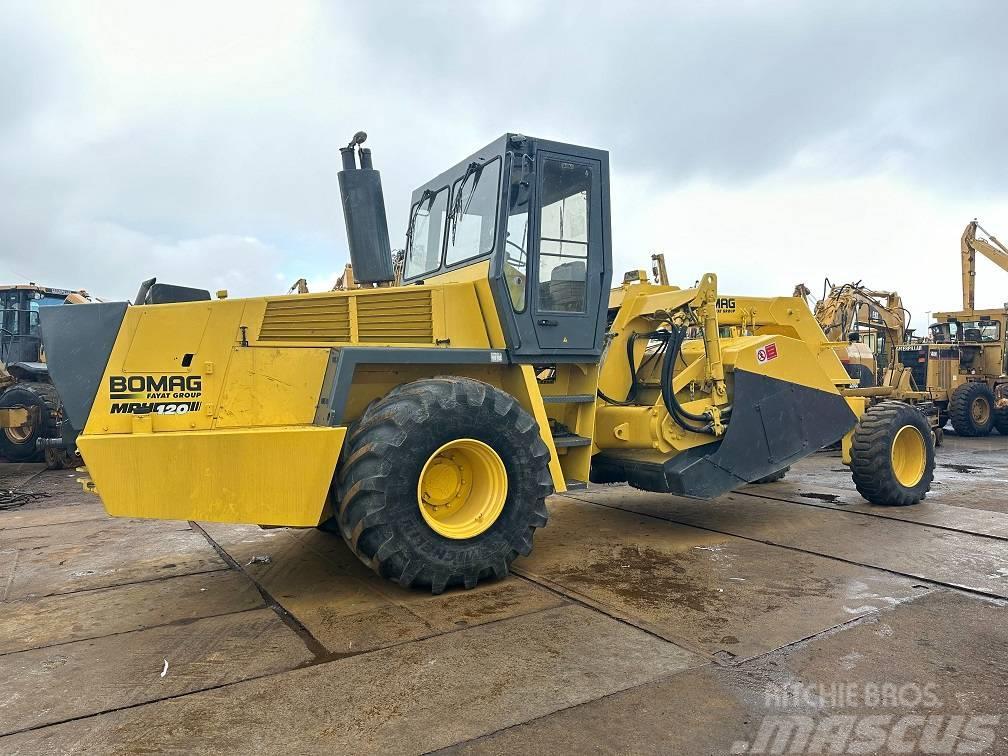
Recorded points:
(427, 421)
(30, 408)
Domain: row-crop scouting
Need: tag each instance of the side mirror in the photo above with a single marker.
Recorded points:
(521, 193)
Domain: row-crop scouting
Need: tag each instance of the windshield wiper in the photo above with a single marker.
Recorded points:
(427, 194)
(473, 170)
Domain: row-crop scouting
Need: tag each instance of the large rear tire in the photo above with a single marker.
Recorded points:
(892, 455)
(443, 483)
(43, 402)
(971, 409)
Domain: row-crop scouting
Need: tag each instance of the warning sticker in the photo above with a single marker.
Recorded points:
(767, 353)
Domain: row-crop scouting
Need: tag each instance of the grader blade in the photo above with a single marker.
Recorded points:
(774, 424)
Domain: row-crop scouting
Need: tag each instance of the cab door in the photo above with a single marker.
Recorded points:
(567, 253)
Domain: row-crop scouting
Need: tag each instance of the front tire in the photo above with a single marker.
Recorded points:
(1001, 420)
(971, 409)
(443, 483)
(58, 459)
(773, 477)
(892, 455)
(18, 444)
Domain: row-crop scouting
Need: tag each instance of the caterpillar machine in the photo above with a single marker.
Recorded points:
(965, 366)
(427, 422)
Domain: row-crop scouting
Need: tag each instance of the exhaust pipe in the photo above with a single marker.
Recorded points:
(364, 213)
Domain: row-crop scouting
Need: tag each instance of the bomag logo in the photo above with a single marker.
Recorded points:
(121, 384)
(725, 304)
(165, 394)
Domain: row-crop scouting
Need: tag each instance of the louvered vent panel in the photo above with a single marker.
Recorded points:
(396, 316)
(304, 319)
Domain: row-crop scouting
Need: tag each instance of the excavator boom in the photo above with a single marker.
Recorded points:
(990, 248)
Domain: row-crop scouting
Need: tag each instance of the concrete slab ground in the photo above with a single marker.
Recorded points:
(791, 616)
(734, 597)
(916, 647)
(74, 556)
(61, 618)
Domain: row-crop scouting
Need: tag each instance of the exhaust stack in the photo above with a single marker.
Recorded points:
(364, 213)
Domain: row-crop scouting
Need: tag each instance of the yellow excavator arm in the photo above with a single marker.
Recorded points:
(848, 305)
(990, 248)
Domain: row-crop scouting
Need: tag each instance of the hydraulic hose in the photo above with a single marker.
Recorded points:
(634, 385)
(672, 406)
(682, 417)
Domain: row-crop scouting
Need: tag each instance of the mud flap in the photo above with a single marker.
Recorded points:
(78, 340)
(773, 424)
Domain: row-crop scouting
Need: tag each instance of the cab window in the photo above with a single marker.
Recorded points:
(563, 237)
(427, 218)
(981, 331)
(473, 217)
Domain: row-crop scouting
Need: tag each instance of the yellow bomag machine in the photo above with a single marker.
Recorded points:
(427, 422)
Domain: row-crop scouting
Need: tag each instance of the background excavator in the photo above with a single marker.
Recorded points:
(873, 323)
(868, 327)
(426, 415)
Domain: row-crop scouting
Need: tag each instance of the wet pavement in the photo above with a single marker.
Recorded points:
(789, 617)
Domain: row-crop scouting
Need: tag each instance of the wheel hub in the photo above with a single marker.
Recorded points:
(19, 434)
(980, 411)
(908, 456)
(462, 488)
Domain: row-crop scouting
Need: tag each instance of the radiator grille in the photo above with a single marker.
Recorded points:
(396, 316)
(914, 358)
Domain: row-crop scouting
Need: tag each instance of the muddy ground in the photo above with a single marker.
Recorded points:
(792, 616)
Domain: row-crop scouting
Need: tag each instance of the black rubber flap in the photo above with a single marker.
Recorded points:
(78, 340)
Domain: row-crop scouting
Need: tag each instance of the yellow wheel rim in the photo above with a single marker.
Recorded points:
(908, 456)
(462, 489)
(980, 410)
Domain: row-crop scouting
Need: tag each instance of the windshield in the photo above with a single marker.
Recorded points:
(426, 223)
(974, 331)
(47, 300)
(474, 213)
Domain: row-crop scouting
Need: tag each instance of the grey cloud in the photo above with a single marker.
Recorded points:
(191, 179)
(725, 90)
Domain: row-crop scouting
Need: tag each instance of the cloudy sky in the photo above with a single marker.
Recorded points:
(769, 142)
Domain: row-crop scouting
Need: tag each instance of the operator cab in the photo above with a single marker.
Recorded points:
(20, 339)
(531, 217)
(982, 330)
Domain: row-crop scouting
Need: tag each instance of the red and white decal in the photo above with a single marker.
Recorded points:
(767, 353)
